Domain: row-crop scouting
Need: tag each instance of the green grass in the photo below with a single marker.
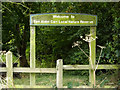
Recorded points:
(25, 80)
(45, 79)
(50, 79)
(70, 79)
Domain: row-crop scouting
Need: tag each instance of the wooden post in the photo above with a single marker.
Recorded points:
(32, 54)
(92, 46)
(9, 67)
(59, 79)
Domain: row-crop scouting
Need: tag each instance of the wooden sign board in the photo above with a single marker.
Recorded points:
(63, 19)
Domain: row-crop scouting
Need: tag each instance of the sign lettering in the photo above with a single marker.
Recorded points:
(63, 19)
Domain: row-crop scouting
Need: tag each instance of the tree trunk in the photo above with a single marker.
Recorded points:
(23, 61)
(21, 46)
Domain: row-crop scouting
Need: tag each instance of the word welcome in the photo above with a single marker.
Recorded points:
(58, 16)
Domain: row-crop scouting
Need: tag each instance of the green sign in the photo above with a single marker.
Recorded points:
(63, 19)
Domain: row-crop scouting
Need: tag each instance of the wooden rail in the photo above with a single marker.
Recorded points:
(35, 70)
(87, 67)
(58, 70)
(53, 70)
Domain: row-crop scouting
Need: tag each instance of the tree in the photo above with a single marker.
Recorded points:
(56, 42)
(16, 29)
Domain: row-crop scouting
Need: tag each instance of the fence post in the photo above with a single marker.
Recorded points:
(9, 67)
(59, 79)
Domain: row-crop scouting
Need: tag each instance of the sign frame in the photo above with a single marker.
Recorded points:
(92, 45)
(33, 15)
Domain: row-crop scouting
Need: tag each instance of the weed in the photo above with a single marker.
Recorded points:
(70, 85)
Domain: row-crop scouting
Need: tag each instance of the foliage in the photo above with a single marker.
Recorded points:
(53, 43)
(3, 58)
(69, 85)
(103, 83)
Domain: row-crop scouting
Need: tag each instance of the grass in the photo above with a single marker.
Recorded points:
(50, 79)
(70, 79)
(45, 79)
(110, 77)
(25, 80)
(74, 79)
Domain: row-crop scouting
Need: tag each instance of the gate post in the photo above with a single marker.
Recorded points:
(9, 67)
(59, 79)
(32, 54)
(92, 46)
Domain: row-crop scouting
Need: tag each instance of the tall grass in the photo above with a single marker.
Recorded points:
(4, 84)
